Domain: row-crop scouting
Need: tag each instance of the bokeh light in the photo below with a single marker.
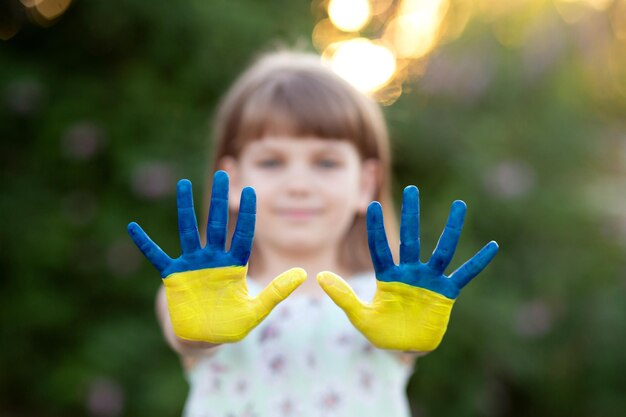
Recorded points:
(43, 13)
(51, 9)
(456, 20)
(421, 21)
(415, 30)
(595, 4)
(379, 7)
(349, 58)
(618, 21)
(326, 33)
(31, 3)
(411, 30)
(349, 15)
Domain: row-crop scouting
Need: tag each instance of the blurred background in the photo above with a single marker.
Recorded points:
(517, 107)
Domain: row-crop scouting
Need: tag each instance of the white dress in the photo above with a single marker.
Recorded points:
(305, 359)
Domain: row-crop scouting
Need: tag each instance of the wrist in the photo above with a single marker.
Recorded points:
(196, 344)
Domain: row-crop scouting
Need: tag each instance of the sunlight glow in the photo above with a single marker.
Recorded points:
(381, 45)
(325, 33)
(366, 65)
(380, 6)
(595, 4)
(618, 21)
(349, 15)
(414, 32)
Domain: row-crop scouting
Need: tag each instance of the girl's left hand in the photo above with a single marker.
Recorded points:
(413, 300)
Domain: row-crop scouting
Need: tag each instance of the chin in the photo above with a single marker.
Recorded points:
(301, 244)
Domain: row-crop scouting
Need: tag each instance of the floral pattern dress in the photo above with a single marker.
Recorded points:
(305, 359)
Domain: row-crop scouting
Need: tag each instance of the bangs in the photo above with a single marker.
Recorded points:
(299, 105)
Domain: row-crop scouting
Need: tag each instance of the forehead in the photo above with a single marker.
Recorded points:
(300, 145)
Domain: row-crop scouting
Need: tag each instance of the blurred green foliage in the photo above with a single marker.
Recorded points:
(102, 112)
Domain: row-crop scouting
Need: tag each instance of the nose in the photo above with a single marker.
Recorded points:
(300, 180)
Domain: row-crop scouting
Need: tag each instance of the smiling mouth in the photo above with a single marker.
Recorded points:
(298, 214)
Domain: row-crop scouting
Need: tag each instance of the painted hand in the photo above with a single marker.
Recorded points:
(413, 300)
(206, 288)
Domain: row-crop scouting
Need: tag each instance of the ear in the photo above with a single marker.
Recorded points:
(231, 166)
(370, 182)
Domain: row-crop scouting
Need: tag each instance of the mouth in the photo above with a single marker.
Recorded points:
(298, 214)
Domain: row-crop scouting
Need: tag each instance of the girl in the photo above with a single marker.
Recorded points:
(315, 153)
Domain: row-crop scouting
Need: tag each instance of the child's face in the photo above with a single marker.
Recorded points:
(308, 189)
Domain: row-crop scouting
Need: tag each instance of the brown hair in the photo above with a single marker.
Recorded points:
(294, 94)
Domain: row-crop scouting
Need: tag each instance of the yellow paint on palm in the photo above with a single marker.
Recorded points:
(400, 316)
(212, 305)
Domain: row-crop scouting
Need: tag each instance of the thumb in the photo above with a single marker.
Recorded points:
(341, 293)
(278, 290)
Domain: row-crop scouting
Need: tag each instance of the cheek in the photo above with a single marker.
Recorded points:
(344, 187)
(234, 195)
(261, 179)
(342, 202)
(264, 187)
(265, 197)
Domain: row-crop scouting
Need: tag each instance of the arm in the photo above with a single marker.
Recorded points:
(408, 358)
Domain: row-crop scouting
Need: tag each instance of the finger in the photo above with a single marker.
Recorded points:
(150, 250)
(341, 293)
(278, 290)
(218, 212)
(466, 272)
(410, 226)
(377, 238)
(442, 256)
(244, 231)
(187, 224)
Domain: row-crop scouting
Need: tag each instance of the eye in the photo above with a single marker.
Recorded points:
(328, 163)
(269, 162)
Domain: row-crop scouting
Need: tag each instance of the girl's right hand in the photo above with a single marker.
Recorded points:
(206, 288)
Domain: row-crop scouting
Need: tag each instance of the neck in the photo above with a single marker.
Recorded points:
(272, 261)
